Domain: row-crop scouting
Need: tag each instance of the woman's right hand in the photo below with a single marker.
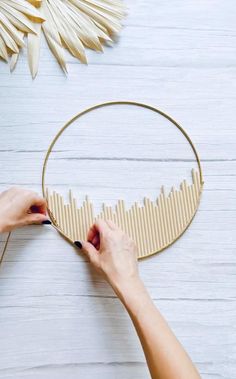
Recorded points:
(111, 252)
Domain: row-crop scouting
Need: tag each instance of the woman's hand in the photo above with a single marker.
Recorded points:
(114, 254)
(111, 252)
(19, 207)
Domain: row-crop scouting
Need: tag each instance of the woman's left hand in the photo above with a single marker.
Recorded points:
(19, 207)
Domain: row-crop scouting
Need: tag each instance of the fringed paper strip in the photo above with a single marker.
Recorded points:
(153, 226)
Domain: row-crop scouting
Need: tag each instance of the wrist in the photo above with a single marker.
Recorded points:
(129, 289)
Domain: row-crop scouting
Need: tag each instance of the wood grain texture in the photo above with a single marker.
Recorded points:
(60, 320)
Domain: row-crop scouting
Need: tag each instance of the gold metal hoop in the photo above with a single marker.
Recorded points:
(132, 103)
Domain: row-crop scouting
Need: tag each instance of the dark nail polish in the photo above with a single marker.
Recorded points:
(78, 244)
(46, 222)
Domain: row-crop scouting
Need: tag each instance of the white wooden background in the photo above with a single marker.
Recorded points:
(57, 318)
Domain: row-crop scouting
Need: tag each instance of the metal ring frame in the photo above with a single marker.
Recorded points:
(102, 105)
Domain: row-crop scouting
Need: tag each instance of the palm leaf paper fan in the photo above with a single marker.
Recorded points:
(71, 24)
(153, 224)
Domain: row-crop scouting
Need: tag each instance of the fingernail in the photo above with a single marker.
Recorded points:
(46, 222)
(78, 244)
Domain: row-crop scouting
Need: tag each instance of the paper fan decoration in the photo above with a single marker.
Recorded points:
(71, 24)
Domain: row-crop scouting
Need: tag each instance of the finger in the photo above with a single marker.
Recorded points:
(96, 241)
(102, 226)
(35, 218)
(92, 233)
(97, 246)
(32, 198)
(36, 209)
(41, 204)
(112, 225)
(90, 251)
(38, 204)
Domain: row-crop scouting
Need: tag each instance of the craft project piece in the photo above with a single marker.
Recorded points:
(153, 225)
(70, 24)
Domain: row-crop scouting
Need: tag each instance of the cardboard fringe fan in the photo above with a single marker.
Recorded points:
(70, 24)
(153, 225)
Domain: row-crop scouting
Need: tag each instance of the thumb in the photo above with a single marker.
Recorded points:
(35, 218)
(90, 251)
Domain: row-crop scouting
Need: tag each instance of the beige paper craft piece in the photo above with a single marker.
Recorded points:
(153, 226)
(67, 24)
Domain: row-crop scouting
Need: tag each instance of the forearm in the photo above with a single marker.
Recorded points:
(165, 356)
(114, 253)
